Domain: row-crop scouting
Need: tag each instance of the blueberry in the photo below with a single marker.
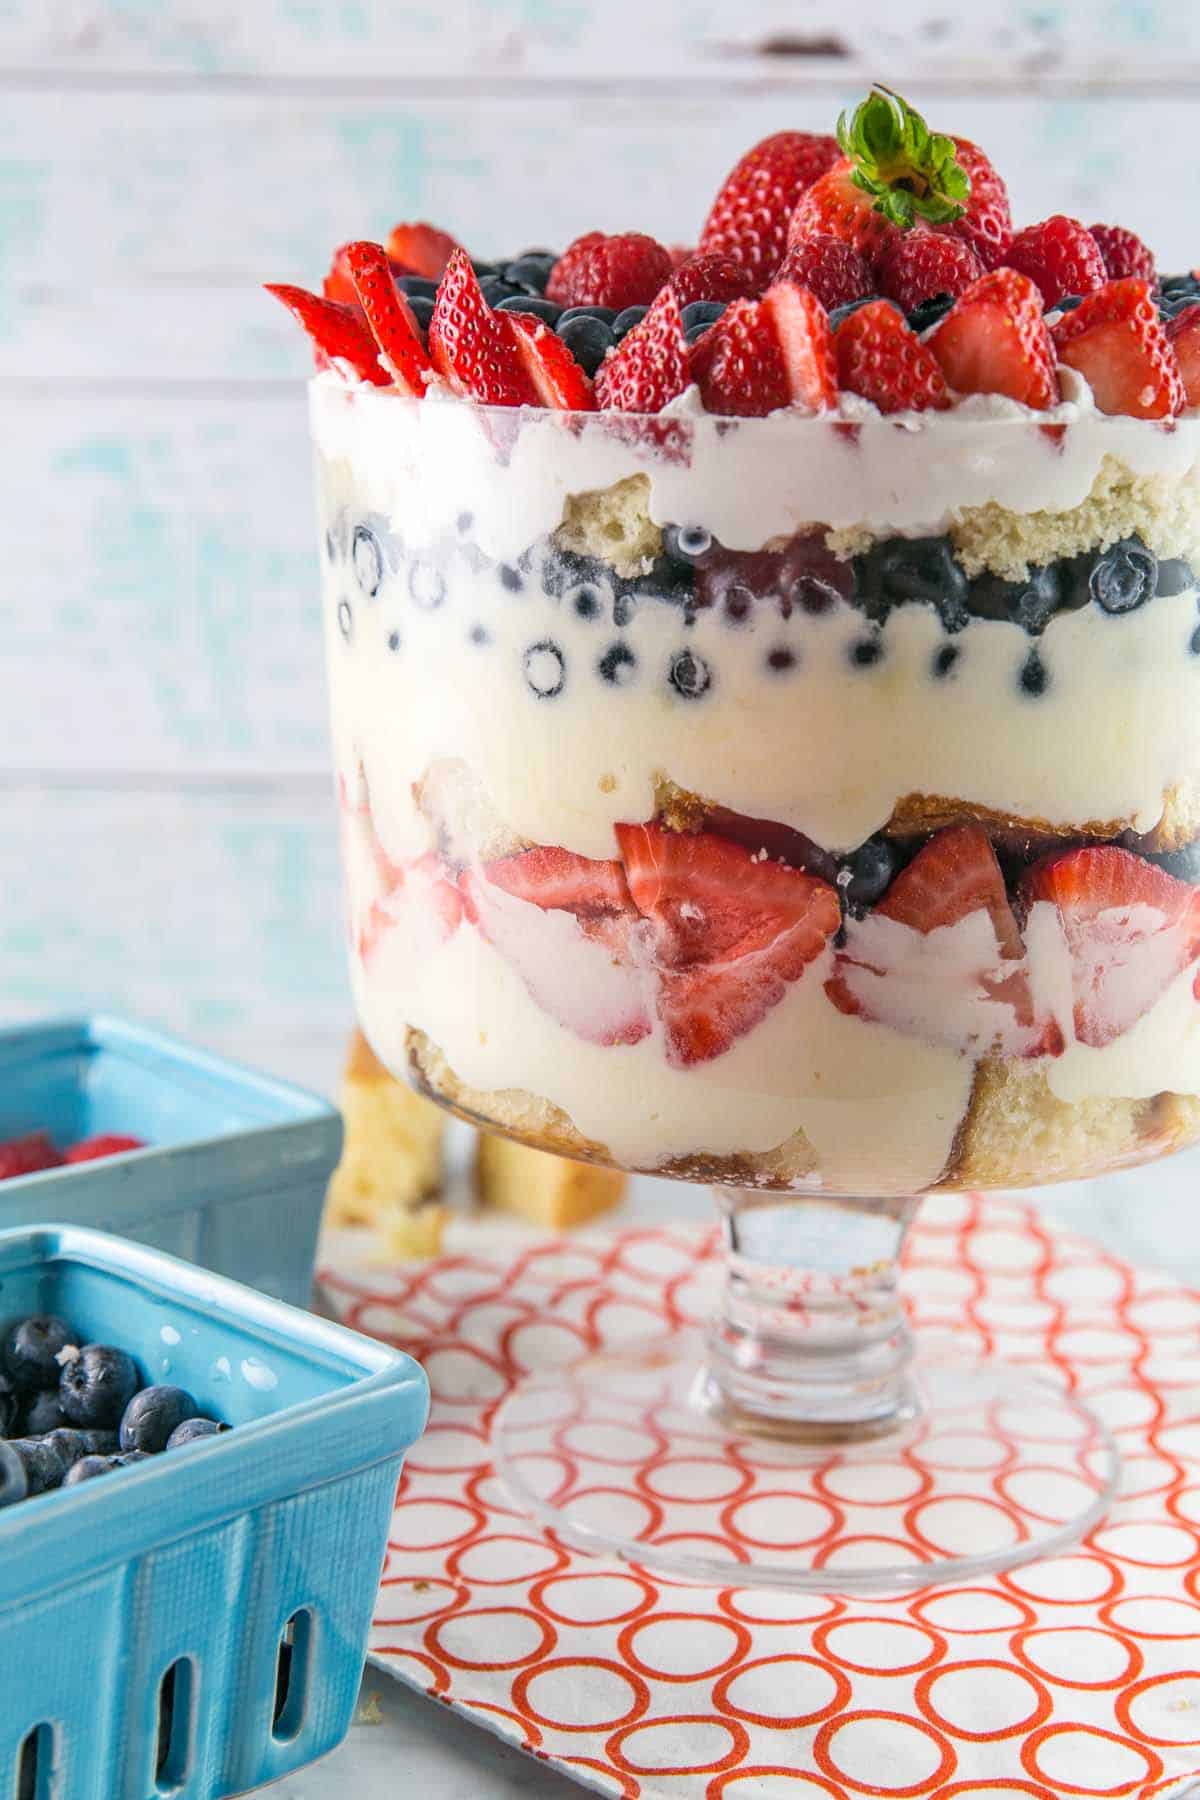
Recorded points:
(588, 340)
(14, 1483)
(944, 659)
(841, 313)
(69, 1445)
(1194, 642)
(1066, 303)
(427, 586)
(1034, 677)
(1188, 283)
(10, 1402)
(530, 270)
(345, 619)
(366, 556)
(1183, 864)
(1174, 576)
(917, 569)
(494, 289)
(44, 1467)
(545, 669)
(42, 1413)
(625, 321)
(394, 641)
(1030, 603)
(417, 287)
(479, 634)
(702, 312)
(694, 333)
(605, 314)
(534, 305)
(781, 659)
(97, 1385)
(194, 1431)
(510, 578)
(689, 675)
(617, 665)
(686, 543)
(1124, 576)
(867, 873)
(31, 1350)
(864, 653)
(422, 311)
(483, 269)
(152, 1416)
(88, 1467)
(930, 311)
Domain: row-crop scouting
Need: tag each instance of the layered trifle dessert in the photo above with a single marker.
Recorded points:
(766, 678)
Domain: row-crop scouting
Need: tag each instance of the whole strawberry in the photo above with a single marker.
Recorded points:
(1124, 253)
(924, 263)
(828, 267)
(986, 223)
(1060, 256)
(707, 276)
(749, 217)
(597, 270)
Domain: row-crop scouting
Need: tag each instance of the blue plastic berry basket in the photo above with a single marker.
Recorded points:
(236, 1167)
(144, 1615)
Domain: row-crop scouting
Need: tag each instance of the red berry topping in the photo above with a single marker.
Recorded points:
(749, 217)
(1130, 929)
(421, 249)
(339, 332)
(27, 1155)
(764, 354)
(828, 267)
(387, 312)
(108, 1144)
(557, 377)
(1124, 253)
(835, 207)
(1118, 343)
(337, 285)
(994, 341)
(986, 223)
(881, 359)
(924, 263)
(649, 366)
(627, 270)
(680, 253)
(711, 277)
(1183, 334)
(730, 933)
(476, 350)
(1060, 255)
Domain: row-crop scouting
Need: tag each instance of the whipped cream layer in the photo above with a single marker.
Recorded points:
(747, 481)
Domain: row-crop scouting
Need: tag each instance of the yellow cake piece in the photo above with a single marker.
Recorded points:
(547, 1190)
(391, 1165)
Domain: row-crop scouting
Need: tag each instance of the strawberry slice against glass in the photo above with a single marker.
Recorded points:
(339, 332)
(649, 367)
(389, 316)
(881, 359)
(1128, 929)
(730, 933)
(765, 354)
(994, 341)
(1119, 345)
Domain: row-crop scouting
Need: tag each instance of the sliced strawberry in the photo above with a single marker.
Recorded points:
(829, 268)
(110, 1143)
(835, 207)
(421, 249)
(627, 269)
(569, 928)
(925, 263)
(649, 367)
(881, 359)
(749, 217)
(1129, 929)
(986, 225)
(557, 377)
(764, 354)
(389, 316)
(994, 341)
(711, 277)
(730, 933)
(1119, 345)
(476, 350)
(338, 284)
(339, 332)
(28, 1155)
(1183, 333)
(1060, 255)
(1124, 252)
(969, 986)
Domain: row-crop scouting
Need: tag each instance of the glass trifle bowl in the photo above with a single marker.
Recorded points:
(804, 806)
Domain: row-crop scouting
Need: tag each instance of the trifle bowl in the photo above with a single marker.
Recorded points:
(795, 795)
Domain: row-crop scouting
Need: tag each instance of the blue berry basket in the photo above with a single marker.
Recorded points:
(196, 1625)
(236, 1164)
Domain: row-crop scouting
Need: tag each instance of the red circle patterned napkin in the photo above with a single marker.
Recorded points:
(1078, 1675)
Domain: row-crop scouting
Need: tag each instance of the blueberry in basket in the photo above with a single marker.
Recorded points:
(81, 1410)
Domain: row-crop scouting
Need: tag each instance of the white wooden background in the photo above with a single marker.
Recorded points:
(166, 832)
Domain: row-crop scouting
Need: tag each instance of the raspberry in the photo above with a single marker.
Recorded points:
(621, 271)
(828, 267)
(924, 263)
(711, 277)
(1124, 253)
(1060, 256)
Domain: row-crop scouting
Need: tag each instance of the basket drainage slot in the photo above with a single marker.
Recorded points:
(175, 1705)
(35, 1764)
(291, 1675)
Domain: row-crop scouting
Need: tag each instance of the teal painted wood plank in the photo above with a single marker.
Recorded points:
(134, 231)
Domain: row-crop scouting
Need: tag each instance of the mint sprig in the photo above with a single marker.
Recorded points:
(910, 172)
